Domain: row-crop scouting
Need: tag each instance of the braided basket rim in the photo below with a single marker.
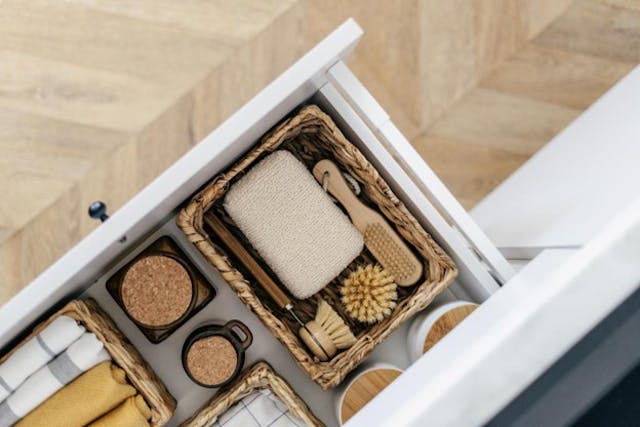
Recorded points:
(310, 120)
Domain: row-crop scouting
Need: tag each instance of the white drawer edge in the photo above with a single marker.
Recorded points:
(514, 337)
(474, 281)
(375, 116)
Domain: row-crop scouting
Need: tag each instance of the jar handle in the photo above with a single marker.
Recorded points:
(248, 337)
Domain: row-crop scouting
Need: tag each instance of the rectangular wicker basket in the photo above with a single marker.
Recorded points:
(311, 135)
(259, 376)
(122, 352)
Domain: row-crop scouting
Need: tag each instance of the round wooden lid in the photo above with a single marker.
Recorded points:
(365, 388)
(446, 323)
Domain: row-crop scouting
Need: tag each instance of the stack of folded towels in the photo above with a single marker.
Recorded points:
(64, 377)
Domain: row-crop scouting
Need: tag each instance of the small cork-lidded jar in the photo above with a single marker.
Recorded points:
(158, 290)
(213, 355)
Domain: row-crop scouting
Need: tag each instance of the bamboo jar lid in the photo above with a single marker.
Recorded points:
(445, 323)
(364, 388)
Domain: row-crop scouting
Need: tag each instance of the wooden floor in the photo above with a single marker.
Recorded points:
(96, 98)
(532, 95)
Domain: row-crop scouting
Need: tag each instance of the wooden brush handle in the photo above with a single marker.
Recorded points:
(338, 187)
(381, 240)
(243, 255)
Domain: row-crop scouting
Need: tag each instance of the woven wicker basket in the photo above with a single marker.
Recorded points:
(259, 376)
(122, 352)
(311, 136)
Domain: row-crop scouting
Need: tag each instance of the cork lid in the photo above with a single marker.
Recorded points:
(212, 360)
(364, 389)
(156, 290)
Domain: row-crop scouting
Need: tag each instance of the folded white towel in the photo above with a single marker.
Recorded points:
(37, 352)
(259, 409)
(82, 355)
(301, 234)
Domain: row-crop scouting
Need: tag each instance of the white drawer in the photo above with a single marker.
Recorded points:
(464, 369)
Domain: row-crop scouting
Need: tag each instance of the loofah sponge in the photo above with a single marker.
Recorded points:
(287, 217)
(369, 294)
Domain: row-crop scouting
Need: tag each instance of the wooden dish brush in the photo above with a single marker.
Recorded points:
(329, 330)
(369, 294)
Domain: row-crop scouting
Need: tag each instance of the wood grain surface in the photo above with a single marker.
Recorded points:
(364, 389)
(98, 97)
(445, 324)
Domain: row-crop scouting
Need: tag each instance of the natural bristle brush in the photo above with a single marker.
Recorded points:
(325, 335)
(329, 330)
(381, 240)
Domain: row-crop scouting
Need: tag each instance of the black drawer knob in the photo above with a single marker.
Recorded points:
(98, 210)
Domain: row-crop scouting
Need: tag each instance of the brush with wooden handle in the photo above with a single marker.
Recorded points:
(325, 335)
(381, 240)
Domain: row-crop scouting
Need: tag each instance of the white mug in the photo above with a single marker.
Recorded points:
(346, 385)
(422, 324)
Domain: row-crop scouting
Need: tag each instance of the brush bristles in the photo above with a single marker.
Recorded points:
(395, 259)
(369, 294)
(334, 326)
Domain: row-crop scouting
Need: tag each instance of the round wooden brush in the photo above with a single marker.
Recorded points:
(329, 330)
(369, 294)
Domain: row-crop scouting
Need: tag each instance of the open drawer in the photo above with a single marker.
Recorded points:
(322, 78)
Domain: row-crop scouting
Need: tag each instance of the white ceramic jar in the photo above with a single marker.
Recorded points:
(433, 324)
(361, 387)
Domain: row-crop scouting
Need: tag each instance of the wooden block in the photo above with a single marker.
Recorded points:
(597, 29)
(629, 4)
(76, 94)
(499, 32)
(31, 249)
(94, 39)
(233, 22)
(469, 170)
(557, 76)
(448, 61)
(537, 14)
(500, 120)
(50, 147)
(420, 57)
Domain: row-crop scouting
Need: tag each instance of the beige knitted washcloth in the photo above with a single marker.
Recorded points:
(294, 225)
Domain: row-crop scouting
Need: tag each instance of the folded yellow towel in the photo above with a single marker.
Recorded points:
(85, 399)
(133, 412)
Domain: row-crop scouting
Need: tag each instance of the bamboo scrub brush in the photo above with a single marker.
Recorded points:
(369, 294)
(381, 240)
(330, 332)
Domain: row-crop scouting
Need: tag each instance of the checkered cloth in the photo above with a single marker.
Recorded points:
(260, 409)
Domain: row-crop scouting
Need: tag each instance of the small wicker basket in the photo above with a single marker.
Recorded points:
(259, 376)
(311, 135)
(122, 352)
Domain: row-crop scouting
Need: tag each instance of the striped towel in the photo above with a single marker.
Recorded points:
(82, 355)
(37, 352)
